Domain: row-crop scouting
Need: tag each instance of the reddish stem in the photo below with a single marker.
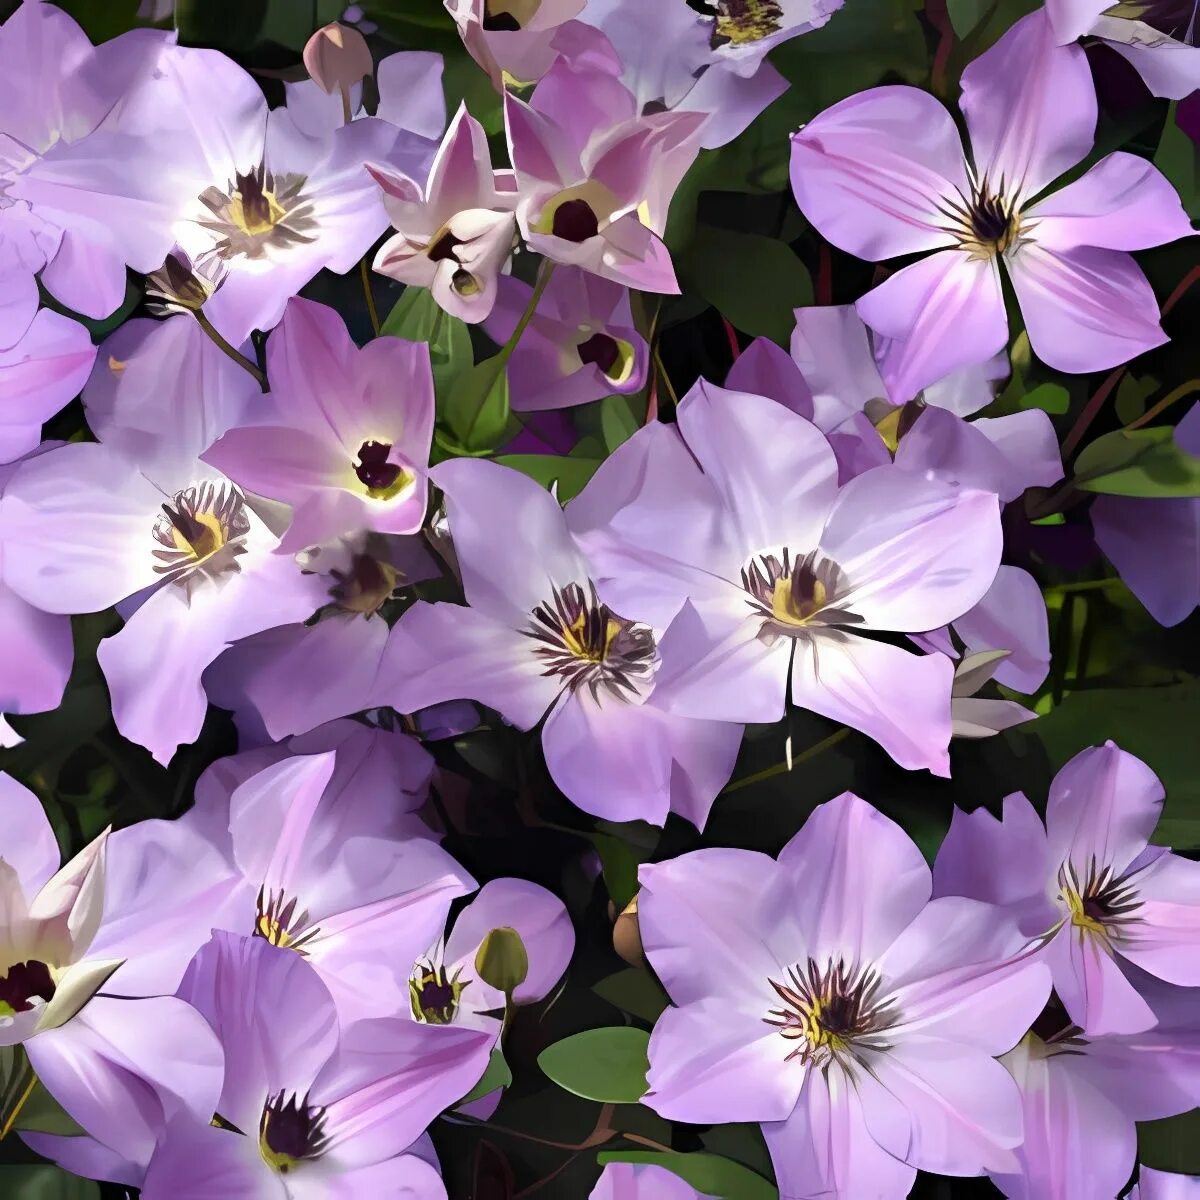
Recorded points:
(731, 334)
(825, 275)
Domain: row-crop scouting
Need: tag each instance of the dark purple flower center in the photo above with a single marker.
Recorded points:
(1178, 19)
(1098, 900)
(22, 984)
(575, 221)
(586, 644)
(795, 593)
(445, 247)
(500, 22)
(201, 532)
(373, 469)
(280, 920)
(992, 221)
(256, 211)
(290, 1131)
(740, 22)
(601, 350)
(434, 995)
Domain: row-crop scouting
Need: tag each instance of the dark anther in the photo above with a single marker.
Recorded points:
(575, 221)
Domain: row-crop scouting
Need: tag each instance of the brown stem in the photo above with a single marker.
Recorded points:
(372, 311)
(226, 349)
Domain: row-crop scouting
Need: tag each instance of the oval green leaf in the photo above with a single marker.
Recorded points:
(606, 1065)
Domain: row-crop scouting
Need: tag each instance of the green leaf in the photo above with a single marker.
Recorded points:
(45, 1183)
(1158, 724)
(752, 280)
(41, 1113)
(476, 412)
(634, 991)
(1177, 158)
(966, 14)
(497, 1075)
(617, 422)
(1049, 397)
(606, 1065)
(1132, 395)
(620, 866)
(571, 474)
(707, 1173)
(417, 317)
(103, 19)
(1171, 1145)
(1138, 462)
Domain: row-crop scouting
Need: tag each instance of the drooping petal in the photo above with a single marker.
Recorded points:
(901, 700)
(1092, 987)
(1085, 309)
(1030, 107)
(875, 172)
(919, 303)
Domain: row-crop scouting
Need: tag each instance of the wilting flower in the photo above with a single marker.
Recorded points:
(579, 345)
(515, 41)
(114, 1064)
(537, 641)
(57, 88)
(785, 575)
(138, 520)
(455, 234)
(205, 168)
(826, 996)
(306, 1109)
(1158, 37)
(595, 177)
(344, 438)
(644, 1181)
(1082, 1095)
(973, 716)
(1088, 883)
(1030, 107)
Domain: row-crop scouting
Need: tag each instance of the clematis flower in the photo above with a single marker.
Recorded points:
(642, 1181)
(514, 41)
(826, 996)
(57, 88)
(595, 177)
(537, 641)
(138, 520)
(36, 648)
(446, 987)
(1157, 37)
(668, 60)
(115, 1065)
(345, 439)
(204, 167)
(306, 1109)
(784, 575)
(1030, 107)
(455, 234)
(1082, 1094)
(741, 32)
(579, 345)
(40, 374)
(1088, 883)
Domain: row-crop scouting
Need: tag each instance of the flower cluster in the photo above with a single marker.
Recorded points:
(755, 487)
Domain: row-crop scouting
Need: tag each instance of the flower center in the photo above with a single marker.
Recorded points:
(1099, 901)
(23, 985)
(831, 1012)
(256, 211)
(575, 221)
(201, 533)
(366, 585)
(181, 285)
(279, 923)
(383, 480)
(508, 16)
(1176, 18)
(434, 995)
(290, 1131)
(612, 355)
(742, 22)
(587, 644)
(795, 594)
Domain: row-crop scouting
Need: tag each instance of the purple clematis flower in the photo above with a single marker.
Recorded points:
(455, 234)
(114, 1064)
(204, 167)
(1082, 1095)
(537, 641)
(41, 373)
(1088, 883)
(1030, 107)
(785, 576)
(36, 648)
(826, 996)
(630, 1181)
(580, 344)
(57, 88)
(1159, 38)
(344, 439)
(139, 521)
(307, 1109)
(595, 176)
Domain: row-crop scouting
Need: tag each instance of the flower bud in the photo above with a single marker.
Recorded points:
(627, 935)
(337, 57)
(502, 961)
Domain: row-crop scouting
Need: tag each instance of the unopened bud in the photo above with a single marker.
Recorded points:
(365, 586)
(337, 57)
(627, 935)
(502, 961)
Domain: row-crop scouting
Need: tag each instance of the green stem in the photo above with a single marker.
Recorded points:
(372, 311)
(539, 288)
(783, 767)
(226, 349)
(1184, 389)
